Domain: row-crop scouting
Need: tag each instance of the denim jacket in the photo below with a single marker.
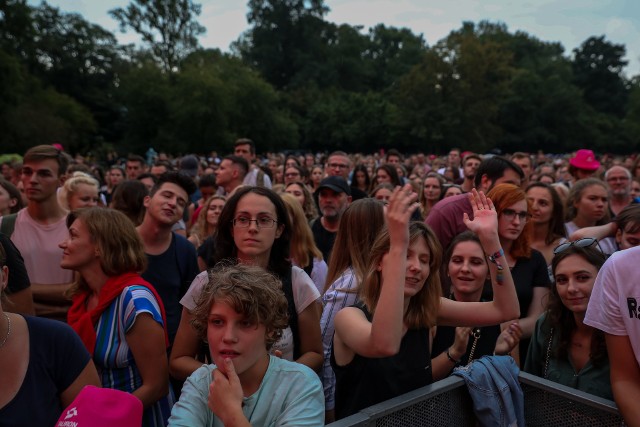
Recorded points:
(493, 384)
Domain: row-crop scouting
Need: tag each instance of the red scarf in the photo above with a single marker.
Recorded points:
(84, 321)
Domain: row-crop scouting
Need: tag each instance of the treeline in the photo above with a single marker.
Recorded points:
(295, 80)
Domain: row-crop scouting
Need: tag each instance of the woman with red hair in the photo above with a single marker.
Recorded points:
(528, 266)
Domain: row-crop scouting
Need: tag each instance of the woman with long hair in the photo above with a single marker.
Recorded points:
(301, 192)
(361, 179)
(316, 175)
(386, 174)
(468, 271)
(563, 349)
(381, 345)
(528, 266)
(382, 192)
(117, 314)
(588, 206)
(128, 198)
(114, 176)
(255, 229)
(304, 252)
(207, 221)
(360, 224)
(432, 192)
(547, 219)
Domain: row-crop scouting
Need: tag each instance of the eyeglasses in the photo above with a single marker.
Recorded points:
(510, 214)
(580, 243)
(618, 178)
(291, 174)
(262, 222)
(338, 166)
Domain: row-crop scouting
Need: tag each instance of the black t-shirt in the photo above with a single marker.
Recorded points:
(324, 238)
(206, 251)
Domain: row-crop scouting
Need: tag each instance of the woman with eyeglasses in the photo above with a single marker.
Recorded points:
(563, 348)
(528, 266)
(254, 228)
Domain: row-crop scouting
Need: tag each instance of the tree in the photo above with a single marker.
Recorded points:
(286, 41)
(597, 70)
(167, 26)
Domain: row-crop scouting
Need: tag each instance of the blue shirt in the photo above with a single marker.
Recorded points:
(290, 395)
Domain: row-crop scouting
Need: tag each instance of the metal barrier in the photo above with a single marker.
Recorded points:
(447, 403)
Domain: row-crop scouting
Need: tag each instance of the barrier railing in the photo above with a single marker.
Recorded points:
(447, 403)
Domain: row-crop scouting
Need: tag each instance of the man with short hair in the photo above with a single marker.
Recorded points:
(230, 174)
(394, 157)
(453, 161)
(469, 168)
(619, 180)
(339, 164)
(135, 166)
(334, 197)
(160, 167)
(524, 161)
(245, 148)
(445, 218)
(38, 229)
(172, 263)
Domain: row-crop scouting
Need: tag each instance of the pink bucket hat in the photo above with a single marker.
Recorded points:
(102, 407)
(585, 159)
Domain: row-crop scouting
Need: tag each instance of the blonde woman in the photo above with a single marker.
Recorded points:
(304, 252)
(79, 191)
(207, 221)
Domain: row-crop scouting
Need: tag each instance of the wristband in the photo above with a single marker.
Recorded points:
(454, 361)
(494, 258)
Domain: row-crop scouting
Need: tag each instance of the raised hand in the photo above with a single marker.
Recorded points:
(225, 392)
(485, 217)
(402, 204)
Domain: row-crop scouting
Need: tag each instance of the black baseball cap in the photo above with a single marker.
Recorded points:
(335, 183)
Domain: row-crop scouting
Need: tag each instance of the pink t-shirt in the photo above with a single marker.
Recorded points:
(38, 245)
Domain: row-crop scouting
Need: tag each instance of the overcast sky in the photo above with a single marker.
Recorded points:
(569, 22)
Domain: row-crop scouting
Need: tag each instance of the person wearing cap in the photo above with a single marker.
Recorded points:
(245, 148)
(583, 165)
(334, 196)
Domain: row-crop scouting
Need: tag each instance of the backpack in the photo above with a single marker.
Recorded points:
(8, 224)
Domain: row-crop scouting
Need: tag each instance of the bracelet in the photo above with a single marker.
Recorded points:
(451, 359)
(494, 258)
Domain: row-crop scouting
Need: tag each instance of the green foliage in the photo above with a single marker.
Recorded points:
(298, 81)
(167, 26)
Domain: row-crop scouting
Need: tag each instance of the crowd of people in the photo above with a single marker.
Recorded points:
(300, 289)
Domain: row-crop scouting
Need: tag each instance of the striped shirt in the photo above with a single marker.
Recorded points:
(112, 355)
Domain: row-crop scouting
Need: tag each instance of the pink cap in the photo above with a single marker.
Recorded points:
(102, 407)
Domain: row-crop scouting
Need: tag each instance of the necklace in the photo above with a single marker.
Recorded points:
(4, 341)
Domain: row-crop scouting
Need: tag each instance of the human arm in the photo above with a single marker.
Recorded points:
(508, 338)
(381, 337)
(310, 338)
(625, 377)
(597, 231)
(504, 306)
(182, 361)
(536, 308)
(146, 339)
(88, 376)
(442, 365)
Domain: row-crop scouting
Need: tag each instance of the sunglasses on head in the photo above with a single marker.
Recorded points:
(580, 243)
